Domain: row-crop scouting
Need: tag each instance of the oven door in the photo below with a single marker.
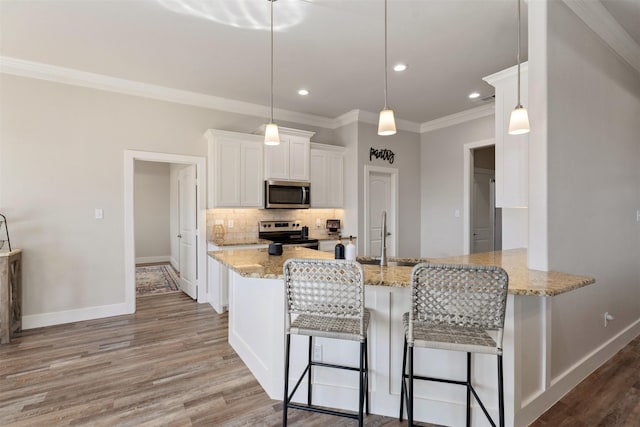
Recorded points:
(286, 195)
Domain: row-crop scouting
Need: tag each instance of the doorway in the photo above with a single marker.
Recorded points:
(192, 254)
(380, 194)
(483, 221)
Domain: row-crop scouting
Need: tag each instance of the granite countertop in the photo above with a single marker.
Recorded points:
(522, 281)
(240, 242)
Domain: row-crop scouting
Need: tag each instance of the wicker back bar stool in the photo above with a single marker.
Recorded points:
(325, 298)
(454, 307)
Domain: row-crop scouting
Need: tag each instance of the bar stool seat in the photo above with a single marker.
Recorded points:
(325, 298)
(449, 337)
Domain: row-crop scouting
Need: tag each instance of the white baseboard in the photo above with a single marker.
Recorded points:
(68, 316)
(566, 381)
(150, 259)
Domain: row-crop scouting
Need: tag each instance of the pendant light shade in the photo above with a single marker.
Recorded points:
(271, 134)
(387, 122)
(519, 121)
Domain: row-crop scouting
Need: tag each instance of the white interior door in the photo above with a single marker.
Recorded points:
(482, 212)
(188, 224)
(380, 197)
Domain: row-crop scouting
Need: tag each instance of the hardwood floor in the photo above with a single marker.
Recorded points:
(608, 397)
(170, 365)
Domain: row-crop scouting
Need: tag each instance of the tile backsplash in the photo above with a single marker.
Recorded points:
(245, 221)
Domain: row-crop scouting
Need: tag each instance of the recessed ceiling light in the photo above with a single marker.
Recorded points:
(474, 95)
(303, 92)
(399, 67)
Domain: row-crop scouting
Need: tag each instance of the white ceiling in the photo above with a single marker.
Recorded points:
(334, 48)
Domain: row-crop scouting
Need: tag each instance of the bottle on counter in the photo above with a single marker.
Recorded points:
(350, 250)
(339, 250)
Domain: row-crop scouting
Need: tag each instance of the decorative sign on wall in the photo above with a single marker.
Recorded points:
(383, 153)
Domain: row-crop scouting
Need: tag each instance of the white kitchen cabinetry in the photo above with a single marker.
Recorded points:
(235, 162)
(512, 151)
(289, 160)
(327, 176)
(218, 276)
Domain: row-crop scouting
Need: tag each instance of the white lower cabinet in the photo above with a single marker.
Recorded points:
(218, 277)
(327, 176)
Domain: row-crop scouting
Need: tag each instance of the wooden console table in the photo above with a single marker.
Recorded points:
(10, 294)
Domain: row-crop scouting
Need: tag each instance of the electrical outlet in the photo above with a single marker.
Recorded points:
(318, 223)
(607, 318)
(230, 223)
(317, 352)
(219, 222)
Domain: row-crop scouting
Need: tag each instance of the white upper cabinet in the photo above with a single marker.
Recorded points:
(235, 169)
(290, 159)
(512, 151)
(327, 176)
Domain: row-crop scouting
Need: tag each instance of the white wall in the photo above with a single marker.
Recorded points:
(594, 185)
(63, 156)
(151, 207)
(442, 185)
(406, 147)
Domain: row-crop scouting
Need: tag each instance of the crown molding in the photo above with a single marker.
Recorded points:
(506, 73)
(598, 18)
(36, 70)
(457, 118)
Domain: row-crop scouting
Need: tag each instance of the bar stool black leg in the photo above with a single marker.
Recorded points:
(410, 402)
(361, 386)
(500, 391)
(468, 389)
(366, 375)
(403, 385)
(285, 402)
(310, 366)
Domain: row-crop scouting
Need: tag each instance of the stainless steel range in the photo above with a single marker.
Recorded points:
(289, 233)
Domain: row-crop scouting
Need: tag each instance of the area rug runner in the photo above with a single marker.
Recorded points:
(156, 279)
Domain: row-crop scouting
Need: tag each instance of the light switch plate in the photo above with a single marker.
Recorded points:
(230, 223)
(99, 213)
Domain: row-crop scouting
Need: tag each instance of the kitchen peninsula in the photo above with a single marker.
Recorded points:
(256, 332)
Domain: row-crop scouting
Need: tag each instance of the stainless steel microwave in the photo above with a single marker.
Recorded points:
(287, 194)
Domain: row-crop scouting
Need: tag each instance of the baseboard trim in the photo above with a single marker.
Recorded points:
(569, 379)
(150, 259)
(68, 316)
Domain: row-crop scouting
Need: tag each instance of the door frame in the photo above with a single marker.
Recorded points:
(130, 156)
(492, 175)
(468, 185)
(393, 173)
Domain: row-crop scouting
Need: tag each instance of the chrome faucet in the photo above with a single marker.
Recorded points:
(383, 239)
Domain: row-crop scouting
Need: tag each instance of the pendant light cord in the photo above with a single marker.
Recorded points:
(385, 55)
(519, 105)
(271, 1)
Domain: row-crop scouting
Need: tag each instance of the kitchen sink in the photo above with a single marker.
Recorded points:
(389, 263)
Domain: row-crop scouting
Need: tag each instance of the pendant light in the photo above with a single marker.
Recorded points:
(519, 121)
(271, 134)
(386, 123)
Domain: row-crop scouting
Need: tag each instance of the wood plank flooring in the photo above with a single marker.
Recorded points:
(170, 365)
